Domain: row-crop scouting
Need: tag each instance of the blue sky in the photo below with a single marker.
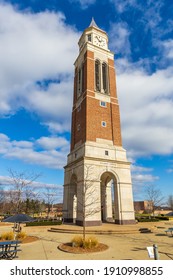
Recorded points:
(38, 46)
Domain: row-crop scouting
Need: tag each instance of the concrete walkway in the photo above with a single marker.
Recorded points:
(125, 242)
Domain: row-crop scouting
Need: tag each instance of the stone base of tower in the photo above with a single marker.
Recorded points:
(89, 223)
(80, 223)
(98, 185)
(99, 223)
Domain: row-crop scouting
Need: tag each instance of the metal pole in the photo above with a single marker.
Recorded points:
(156, 254)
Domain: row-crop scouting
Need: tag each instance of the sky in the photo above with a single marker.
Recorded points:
(38, 47)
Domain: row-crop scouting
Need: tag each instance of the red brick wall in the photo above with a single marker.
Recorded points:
(91, 113)
(116, 127)
(90, 70)
(95, 115)
(112, 80)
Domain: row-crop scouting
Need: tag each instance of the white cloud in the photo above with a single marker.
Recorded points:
(168, 48)
(6, 181)
(49, 152)
(146, 103)
(146, 99)
(170, 170)
(153, 27)
(52, 104)
(51, 143)
(36, 47)
(119, 37)
(144, 178)
(151, 15)
(135, 168)
(141, 177)
(22, 144)
(122, 6)
(4, 140)
(84, 3)
(55, 127)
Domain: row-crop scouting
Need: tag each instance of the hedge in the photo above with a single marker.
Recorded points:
(147, 220)
(43, 223)
(163, 218)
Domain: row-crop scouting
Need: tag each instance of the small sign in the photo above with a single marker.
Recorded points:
(150, 252)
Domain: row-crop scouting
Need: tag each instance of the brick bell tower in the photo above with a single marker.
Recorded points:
(97, 185)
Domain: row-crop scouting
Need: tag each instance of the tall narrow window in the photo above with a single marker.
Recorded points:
(80, 80)
(105, 77)
(97, 75)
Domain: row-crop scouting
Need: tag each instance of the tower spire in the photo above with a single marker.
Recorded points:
(93, 23)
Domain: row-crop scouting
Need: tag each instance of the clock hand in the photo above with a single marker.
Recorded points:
(99, 39)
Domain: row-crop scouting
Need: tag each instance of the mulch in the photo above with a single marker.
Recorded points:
(68, 248)
(29, 239)
(3, 224)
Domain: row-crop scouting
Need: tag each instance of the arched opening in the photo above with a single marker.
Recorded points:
(109, 197)
(97, 75)
(72, 204)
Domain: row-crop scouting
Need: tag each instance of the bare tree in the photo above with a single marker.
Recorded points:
(154, 194)
(2, 198)
(1, 194)
(89, 202)
(21, 188)
(170, 202)
(50, 197)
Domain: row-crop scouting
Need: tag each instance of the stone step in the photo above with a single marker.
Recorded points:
(79, 231)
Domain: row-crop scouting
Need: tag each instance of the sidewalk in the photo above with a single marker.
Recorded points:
(125, 242)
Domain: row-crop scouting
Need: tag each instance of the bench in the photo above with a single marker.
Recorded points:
(169, 230)
(9, 249)
(145, 230)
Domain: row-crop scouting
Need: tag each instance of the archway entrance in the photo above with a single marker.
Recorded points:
(109, 198)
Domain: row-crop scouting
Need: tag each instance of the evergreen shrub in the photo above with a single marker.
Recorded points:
(43, 223)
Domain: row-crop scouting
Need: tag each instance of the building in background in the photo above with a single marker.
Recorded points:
(145, 206)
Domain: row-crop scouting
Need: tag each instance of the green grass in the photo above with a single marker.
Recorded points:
(149, 218)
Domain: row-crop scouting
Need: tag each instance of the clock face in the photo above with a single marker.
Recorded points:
(99, 41)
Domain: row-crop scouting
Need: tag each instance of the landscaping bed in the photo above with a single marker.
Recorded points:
(69, 248)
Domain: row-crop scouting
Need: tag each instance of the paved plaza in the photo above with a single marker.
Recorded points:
(125, 242)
